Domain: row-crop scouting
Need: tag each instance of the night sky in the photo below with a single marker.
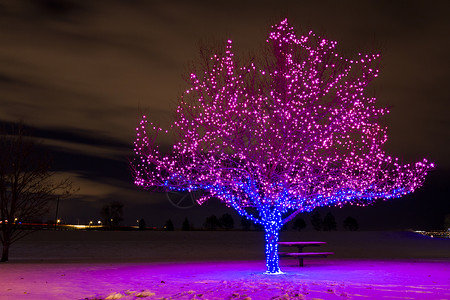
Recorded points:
(81, 72)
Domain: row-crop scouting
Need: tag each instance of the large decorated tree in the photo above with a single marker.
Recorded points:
(277, 135)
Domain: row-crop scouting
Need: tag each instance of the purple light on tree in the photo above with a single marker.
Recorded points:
(277, 136)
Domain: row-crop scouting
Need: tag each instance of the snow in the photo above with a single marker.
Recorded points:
(223, 265)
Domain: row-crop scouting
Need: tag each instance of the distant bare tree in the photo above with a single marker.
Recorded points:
(246, 223)
(299, 224)
(351, 224)
(142, 225)
(27, 185)
(226, 221)
(329, 222)
(211, 223)
(112, 214)
(316, 221)
(169, 226)
(186, 225)
(447, 222)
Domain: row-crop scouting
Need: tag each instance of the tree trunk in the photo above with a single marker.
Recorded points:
(272, 228)
(5, 253)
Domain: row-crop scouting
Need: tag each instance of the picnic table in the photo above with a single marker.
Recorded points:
(300, 254)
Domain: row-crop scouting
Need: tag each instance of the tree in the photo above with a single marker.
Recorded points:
(316, 221)
(27, 185)
(329, 222)
(258, 227)
(226, 221)
(246, 223)
(112, 214)
(169, 226)
(299, 224)
(186, 226)
(278, 134)
(142, 225)
(351, 224)
(211, 223)
(447, 222)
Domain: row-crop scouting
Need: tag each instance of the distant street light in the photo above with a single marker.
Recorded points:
(56, 213)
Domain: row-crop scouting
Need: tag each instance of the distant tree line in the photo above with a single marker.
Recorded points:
(226, 222)
(328, 223)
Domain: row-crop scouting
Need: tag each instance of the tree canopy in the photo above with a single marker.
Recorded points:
(284, 132)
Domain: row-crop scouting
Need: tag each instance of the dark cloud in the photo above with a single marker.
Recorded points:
(7, 80)
(70, 135)
(57, 8)
(41, 10)
(406, 16)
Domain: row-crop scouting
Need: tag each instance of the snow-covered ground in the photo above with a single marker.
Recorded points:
(223, 265)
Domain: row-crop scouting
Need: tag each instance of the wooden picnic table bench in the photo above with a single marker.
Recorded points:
(300, 254)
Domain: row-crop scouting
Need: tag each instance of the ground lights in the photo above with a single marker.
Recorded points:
(283, 134)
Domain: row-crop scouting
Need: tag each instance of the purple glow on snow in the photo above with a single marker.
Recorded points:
(222, 280)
